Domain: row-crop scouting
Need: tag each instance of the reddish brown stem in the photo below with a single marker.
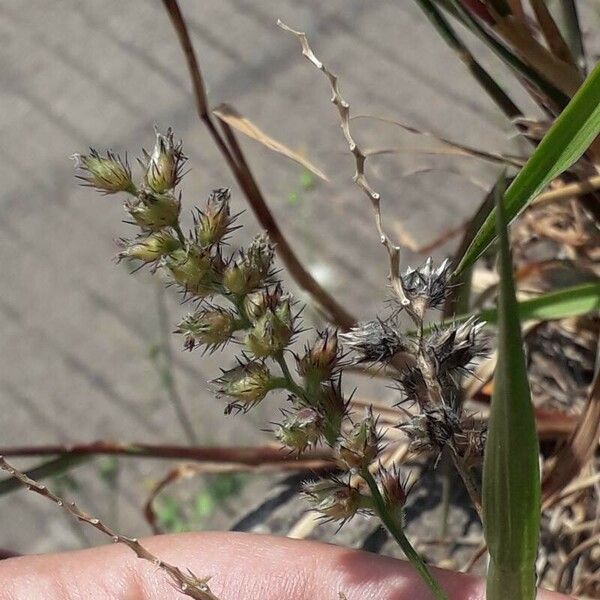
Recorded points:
(242, 455)
(478, 9)
(238, 165)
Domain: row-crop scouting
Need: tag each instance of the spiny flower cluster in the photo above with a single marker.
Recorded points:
(428, 365)
(237, 298)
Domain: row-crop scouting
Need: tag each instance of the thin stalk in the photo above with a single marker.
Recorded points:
(180, 235)
(394, 526)
(291, 384)
(247, 455)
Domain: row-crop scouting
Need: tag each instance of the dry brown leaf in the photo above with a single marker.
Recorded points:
(580, 447)
(234, 119)
(516, 8)
(569, 190)
(560, 74)
(451, 147)
(551, 32)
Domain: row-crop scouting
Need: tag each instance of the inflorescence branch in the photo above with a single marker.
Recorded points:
(360, 158)
(186, 583)
(238, 298)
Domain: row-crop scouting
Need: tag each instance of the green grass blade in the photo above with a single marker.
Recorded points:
(566, 141)
(511, 478)
(560, 304)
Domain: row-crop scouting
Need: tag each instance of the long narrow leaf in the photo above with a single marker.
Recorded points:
(511, 479)
(566, 141)
(506, 53)
(560, 304)
(239, 122)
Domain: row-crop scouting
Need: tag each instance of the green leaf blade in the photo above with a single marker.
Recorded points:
(511, 479)
(566, 141)
(559, 304)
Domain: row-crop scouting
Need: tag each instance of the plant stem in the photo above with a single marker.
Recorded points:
(394, 526)
(180, 235)
(463, 471)
(247, 455)
(292, 386)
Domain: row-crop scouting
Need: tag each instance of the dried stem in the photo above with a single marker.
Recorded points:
(188, 584)
(360, 158)
(251, 456)
(245, 179)
(436, 398)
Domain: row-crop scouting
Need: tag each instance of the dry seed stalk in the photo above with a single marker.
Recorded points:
(188, 584)
(360, 158)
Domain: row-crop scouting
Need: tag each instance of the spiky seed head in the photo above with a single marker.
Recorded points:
(154, 212)
(321, 358)
(412, 383)
(470, 440)
(212, 224)
(256, 304)
(335, 499)
(393, 486)
(149, 249)
(375, 341)
(211, 327)
(427, 287)
(331, 402)
(252, 269)
(192, 268)
(272, 332)
(300, 430)
(247, 383)
(432, 429)
(108, 174)
(164, 165)
(360, 446)
(454, 348)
